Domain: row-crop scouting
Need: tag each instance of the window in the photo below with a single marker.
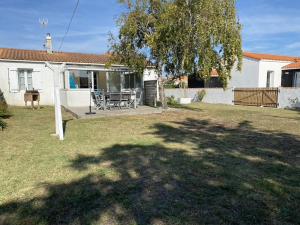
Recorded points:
(270, 79)
(79, 79)
(132, 80)
(29, 80)
(25, 79)
(21, 79)
(297, 79)
(114, 81)
(101, 81)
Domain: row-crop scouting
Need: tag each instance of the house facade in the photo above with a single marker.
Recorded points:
(291, 75)
(22, 70)
(263, 70)
(258, 71)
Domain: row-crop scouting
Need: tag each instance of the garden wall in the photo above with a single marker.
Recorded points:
(213, 95)
(288, 97)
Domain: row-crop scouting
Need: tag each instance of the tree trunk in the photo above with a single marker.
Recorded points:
(162, 93)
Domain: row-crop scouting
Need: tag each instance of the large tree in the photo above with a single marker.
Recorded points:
(182, 37)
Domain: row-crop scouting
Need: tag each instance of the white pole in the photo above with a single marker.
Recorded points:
(58, 115)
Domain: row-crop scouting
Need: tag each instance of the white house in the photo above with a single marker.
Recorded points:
(22, 70)
(264, 70)
(258, 71)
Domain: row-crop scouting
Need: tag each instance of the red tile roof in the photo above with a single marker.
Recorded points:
(43, 56)
(271, 57)
(214, 73)
(292, 66)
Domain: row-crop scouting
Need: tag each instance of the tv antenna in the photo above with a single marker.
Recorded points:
(43, 22)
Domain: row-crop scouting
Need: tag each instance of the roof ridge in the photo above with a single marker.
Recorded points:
(41, 56)
(261, 56)
(56, 52)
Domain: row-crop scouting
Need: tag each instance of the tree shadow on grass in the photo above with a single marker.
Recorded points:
(225, 176)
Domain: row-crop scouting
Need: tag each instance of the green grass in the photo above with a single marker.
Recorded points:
(210, 164)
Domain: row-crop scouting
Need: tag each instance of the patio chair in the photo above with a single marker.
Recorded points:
(114, 100)
(139, 97)
(99, 100)
(126, 98)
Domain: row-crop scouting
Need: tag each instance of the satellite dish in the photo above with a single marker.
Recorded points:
(43, 22)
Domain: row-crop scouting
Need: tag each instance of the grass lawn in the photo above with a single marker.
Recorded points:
(212, 164)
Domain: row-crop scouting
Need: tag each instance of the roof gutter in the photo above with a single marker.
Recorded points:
(74, 63)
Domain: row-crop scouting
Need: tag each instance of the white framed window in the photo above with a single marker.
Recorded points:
(25, 79)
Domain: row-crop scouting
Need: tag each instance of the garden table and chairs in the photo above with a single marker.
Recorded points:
(114, 100)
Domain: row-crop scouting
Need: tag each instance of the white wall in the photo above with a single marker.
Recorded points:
(254, 73)
(42, 80)
(248, 77)
(289, 98)
(150, 74)
(75, 98)
(268, 65)
(213, 95)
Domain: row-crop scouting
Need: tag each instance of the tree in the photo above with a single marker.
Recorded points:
(180, 37)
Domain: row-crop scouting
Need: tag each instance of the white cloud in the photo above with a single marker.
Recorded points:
(270, 25)
(294, 45)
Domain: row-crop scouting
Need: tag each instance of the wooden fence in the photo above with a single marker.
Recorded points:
(267, 97)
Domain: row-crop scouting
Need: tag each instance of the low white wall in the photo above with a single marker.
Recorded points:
(289, 98)
(213, 95)
(75, 98)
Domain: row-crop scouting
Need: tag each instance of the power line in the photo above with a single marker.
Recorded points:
(69, 25)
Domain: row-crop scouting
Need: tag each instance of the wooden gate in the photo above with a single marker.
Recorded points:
(150, 89)
(267, 97)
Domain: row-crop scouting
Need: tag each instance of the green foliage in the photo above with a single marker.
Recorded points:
(3, 110)
(3, 104)
(201, 95)
(189, 37)
(170, 84)
(172, 101)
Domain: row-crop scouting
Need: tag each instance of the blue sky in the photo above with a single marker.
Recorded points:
(269, 26)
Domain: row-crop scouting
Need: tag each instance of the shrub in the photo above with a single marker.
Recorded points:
(201, 95)
(170, 84)
(3, 104)
(172, 101)
(3, 110)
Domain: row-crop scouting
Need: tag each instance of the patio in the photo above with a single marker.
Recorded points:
(80, 112)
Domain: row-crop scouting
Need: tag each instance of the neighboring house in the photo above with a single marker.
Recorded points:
(213, 82)
(263, 70)
(22, 70)
(291, 75)
(258, 71)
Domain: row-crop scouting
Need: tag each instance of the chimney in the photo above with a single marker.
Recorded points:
(48, 44)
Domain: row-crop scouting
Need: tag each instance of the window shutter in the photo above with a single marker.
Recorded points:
(13, 80)
(37, 80)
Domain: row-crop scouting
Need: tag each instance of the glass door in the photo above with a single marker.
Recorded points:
(114, 82)
(297, 79)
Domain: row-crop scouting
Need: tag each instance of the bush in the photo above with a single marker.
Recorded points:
(3, 104)
(3, 110)
(171, 101)
(170, 84)
(201, 95)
